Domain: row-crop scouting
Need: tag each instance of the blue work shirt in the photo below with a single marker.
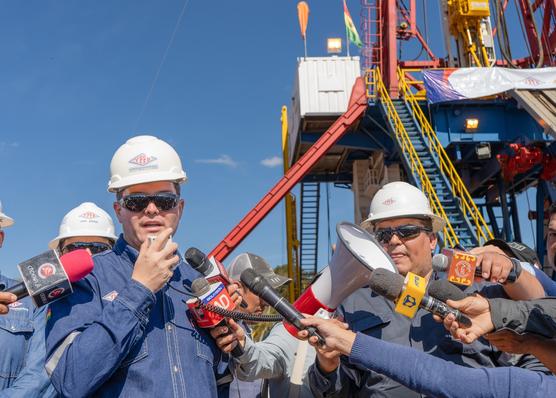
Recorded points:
(114, 338)
(22, 348)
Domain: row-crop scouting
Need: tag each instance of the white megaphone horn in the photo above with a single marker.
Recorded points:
(357, 254)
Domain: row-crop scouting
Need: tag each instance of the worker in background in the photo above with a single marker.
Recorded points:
(23, 353)
(406, 227)
(86, 226)
(280, 359)
(125, 331)
(551, 237)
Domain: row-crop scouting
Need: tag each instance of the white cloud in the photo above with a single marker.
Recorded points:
(224, 160)
(8, 145)
(274, 161)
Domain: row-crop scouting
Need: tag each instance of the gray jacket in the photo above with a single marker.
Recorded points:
(375, 316)
(274, 359)
(535, 316)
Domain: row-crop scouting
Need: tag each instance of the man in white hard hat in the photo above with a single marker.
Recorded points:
(406, 227)
(86, 226)
(125, 331)
(22, 349)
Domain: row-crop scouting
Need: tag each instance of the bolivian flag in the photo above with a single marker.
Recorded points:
(352, 34)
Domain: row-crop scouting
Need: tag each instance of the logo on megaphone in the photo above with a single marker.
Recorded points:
(357, 254)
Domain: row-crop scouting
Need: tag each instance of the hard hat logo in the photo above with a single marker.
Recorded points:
(389, 202)
(142, 159)
(89, 215)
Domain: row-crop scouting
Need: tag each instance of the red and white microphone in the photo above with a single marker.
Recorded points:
(215, 295)
(48, 277)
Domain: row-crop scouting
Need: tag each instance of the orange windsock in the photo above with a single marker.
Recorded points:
(303, 14)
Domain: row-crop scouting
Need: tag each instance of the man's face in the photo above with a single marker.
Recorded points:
(551, 240)
(410, 254)
(137, 226)
(255, 304)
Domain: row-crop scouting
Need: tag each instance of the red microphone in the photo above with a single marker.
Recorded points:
(215, 295)
(48, 277)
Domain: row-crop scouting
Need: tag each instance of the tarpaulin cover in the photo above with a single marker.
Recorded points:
(466, 83)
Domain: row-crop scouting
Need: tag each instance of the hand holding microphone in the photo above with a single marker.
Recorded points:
(475, 307)
(409, 295)
(463, 267)
(5, 300)
(156, 261)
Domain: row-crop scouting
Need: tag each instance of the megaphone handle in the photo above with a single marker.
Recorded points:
(313, 332)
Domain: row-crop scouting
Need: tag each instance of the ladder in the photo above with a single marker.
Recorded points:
(309, 229)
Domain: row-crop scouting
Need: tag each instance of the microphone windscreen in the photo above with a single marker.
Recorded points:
(77, 264)
(195, 258)
(200, 286)
(386, 283)
(440, 262)
(253, 281)
(443, 290)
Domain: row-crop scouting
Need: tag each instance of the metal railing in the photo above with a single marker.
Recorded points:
(458, 188)
(450, 237)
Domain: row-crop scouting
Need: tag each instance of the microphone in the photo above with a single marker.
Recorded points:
(212, 269)
(409, 295)
(211, 294)
(259, 285)
(462, 268)
(47, 277)
(443, 290)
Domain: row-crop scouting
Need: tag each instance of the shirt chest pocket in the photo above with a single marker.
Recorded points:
(15, 334)
(139, 351)
(369, 324)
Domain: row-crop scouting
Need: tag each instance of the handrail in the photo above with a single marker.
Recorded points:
(458, 187)
(416, 166)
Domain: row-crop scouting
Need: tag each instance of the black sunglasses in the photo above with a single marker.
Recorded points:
(94, 247)
(404, 232)
(136, 202)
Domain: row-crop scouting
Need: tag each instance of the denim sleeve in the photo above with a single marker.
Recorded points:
(87, 341)
(33, 381)
(426, 374)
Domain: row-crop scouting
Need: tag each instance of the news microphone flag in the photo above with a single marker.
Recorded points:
(215, 294)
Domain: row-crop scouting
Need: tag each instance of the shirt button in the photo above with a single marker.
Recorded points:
(169, 327)
(175, 369)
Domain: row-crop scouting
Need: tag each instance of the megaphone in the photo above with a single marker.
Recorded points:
(357, 254)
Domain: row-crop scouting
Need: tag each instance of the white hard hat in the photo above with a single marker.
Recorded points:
(5, 221)
(400, 199)
(87, 219)
(144, 159)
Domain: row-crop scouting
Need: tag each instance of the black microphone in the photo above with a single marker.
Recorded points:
(47, 277)
(443, 290)
(219, 296)
(212, 270)
(259, 285)
(392, 287)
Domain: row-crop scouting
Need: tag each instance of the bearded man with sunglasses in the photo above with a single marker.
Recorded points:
(125, 331)
(406, 227)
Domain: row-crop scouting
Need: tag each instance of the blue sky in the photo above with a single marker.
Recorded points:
(75, 79)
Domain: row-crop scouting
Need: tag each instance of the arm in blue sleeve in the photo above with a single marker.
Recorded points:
(436, 377)
(32, 381)
(87, 341)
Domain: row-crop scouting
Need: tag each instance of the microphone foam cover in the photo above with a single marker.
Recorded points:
(386, 283)
(253, 281)
(77, 264)
(443, 290)
(440, 262)
(194, 257)
(200, 286)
